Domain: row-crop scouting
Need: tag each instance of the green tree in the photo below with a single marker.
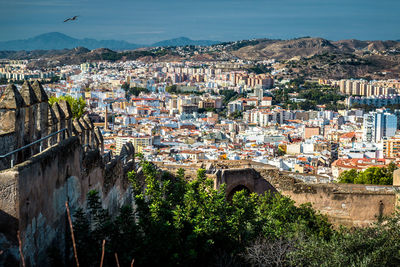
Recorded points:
(348, 176)
(78, 106)
(377, 245)
(372, 175)
(180, 223)
(172, 89)
(125, 86)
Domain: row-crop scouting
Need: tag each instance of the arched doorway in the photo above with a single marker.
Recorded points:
(237, 189)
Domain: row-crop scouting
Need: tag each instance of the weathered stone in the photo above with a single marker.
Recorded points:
(84, 124)
(124, 150)
(52, 117)
(99, 134)
(96, 142)
(33, 196)
(61, 120)
(53, 124)
(40, 92)
(78, 130)
(88, 121)
(7, 121)
(78, 126)
(66, 109)
(28, 94)
(131, 148)
(58, 112)
(86, 132)
(11, 98)
(31, 113)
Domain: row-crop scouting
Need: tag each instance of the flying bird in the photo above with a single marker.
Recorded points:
(71, 19)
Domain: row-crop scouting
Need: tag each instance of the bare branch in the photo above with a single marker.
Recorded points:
(20, 249)
(72, 234)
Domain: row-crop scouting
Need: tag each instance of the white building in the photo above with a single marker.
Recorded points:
(378, 125)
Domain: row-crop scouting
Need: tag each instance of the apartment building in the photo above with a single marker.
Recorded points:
(391, 147)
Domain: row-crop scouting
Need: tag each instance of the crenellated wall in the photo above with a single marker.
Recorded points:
(33, 192)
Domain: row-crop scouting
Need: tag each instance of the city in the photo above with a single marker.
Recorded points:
(247, 144)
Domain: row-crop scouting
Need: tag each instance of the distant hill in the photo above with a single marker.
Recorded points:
(307, 47)
(59, 41)
(183, 41)
(302, 57)
(56, 40)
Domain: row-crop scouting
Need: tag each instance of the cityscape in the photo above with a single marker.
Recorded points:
(254, 152)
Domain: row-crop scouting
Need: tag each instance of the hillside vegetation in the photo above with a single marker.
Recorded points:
(189, 223)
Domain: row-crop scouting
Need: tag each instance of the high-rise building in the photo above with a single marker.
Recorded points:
(378, 125)
(391, 147)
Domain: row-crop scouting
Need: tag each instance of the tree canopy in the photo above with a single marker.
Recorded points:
(372, 175)
(78, 106)
(182, 223)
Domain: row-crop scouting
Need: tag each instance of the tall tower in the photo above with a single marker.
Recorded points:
(106, 119)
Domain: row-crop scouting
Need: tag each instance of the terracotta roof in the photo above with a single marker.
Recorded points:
(349, 135)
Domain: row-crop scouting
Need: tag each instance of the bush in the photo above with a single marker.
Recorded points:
(181, 223)
(372, 175)
(78, 106)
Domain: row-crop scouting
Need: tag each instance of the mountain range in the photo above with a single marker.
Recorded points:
(302, 57)
(57, 41)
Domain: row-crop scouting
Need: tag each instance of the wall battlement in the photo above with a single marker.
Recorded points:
(26, 116)
(34, 190)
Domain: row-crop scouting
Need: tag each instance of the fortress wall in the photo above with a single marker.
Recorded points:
(351, 208)
(343, 204)
(33, 196)
(7, 142)
(34, 191)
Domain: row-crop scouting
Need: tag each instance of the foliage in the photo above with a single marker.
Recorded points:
(182, 223)
(78, 106)
(236, 115)
(133, 91)
(280, 151)
(313, 93)
(172, 89)
(204, 110)
(229, 95)
(260, 68)
(377, 245)
(372, 175)
(125, 86)
(370, 107)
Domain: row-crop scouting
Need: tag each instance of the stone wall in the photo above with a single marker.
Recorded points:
(343, 204)
(33, 196)
(343, 207)
(6, 145)
(34, 190)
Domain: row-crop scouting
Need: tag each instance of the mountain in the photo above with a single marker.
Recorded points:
(307, 47)
(302, 57)
(183, 41)
(58, 41)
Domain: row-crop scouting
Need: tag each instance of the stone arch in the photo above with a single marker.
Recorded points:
(235, 179)
(231, 193)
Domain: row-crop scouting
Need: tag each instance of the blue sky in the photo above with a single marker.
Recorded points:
(147, 21)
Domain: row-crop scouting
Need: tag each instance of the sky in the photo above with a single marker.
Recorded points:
(148, 21)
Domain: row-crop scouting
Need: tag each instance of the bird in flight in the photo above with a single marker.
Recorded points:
(71, 19)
